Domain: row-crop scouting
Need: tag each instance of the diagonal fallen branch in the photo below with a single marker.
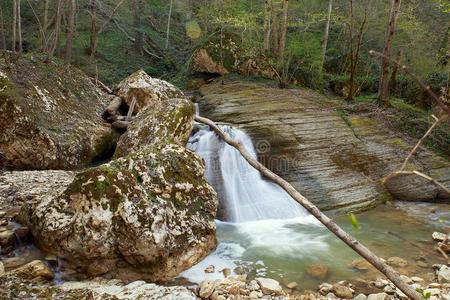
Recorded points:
(330, 224)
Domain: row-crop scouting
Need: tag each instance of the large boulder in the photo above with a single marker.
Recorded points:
(169, 121)
(146, 90)
(149, 215)
(49, 116)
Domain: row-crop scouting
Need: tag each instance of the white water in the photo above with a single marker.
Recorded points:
(247, 195)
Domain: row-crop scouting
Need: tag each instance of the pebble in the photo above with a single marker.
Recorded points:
(439, 236)
(318, 271)
(417, 279)
(210, 269)
(379, 296)
(342, 291)
(360, 297)
(443, 274)
(292, 285)
(406, 279)
(389, 290)
(226, 272)
(397, 262)
(269, 286)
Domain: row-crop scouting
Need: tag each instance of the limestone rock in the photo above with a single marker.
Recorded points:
(439, 236)
(269, 286)
(206, 288)
(147, 90)
(360, 297)
(397, 262)
(443, 274)
(342, 291)
(149, 216)
(50, 116)
(202, 62)
(2, 269)
(361, 264)
(34, 269)
(380, 296)
(318, 271)
(299, 132)
(169, 121)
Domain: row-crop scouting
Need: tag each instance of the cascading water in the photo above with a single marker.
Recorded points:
(247, 196)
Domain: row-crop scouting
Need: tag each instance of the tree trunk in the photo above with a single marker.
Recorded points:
(58, 8)
(45, 27)
(14, 29)
(393, 80)
(94, 31)
(267, 16)
(326, 35)
(330, 224)
(2, 29)
(70, 30)
(19, 26)
(136, 6)
(274, 27)
(168, 24)
(383, 90)
(283, 30)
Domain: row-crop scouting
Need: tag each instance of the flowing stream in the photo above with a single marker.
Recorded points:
(262, 231)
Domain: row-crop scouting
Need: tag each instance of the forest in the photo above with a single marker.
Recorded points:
(225, 149)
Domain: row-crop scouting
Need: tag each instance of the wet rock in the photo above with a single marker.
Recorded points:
(360, 297)
(439, 236)
(270, 286)
(342, 291)
(292, 285)
(325, 288)
(389, 290)
(380, 296)
(361, 265)
(318, 271)
(226, 272)
(443, 274)
(149, 216)
(210, 269)
(299, 132)
(7, 241)
(397, 262)
(35, 269)
(381, 283)
(239, 270)
(147, 90)
(202, 62)
(168, 121)
(50, 116)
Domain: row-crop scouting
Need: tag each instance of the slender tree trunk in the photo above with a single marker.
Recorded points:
(283, 30)
(2, 29)
(383, 90)
(19, 26)
(14, 29)
(70, 30)
(168, 24)
(352, 52)
(44, 42)
(267, 16)
(94, 31)
(326, 35)
(274, 27)
(390, 273)
(393, 80)
(139, 37)
(55, 46)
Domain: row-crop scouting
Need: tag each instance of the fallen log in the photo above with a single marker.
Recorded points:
(120, 124)
(111, 111)
(364, 252)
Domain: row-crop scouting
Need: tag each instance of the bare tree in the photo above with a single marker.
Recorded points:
(19, 26)
(267, 16)
(355, 45)
(14, 29)
(168, 24)
(274, 27)
(95, 33)
(2, 29)
(56, 30)
(283, 30)
(44, 41)
(383, 90)
(136, 6)
(326, 34)
(70, 30)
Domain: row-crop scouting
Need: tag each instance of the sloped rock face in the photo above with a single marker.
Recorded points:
(49, 116)
(148, 216)
(335, 160)
(168, 121)
(147, 90)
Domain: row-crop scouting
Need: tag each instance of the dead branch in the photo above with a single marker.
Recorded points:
(415, 172)
(101, 85)
(131, 109)
(416, 78)
(419, 143)
(120, 124)
(330, 224)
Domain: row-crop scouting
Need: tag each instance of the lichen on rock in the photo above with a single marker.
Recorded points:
(49, 115)
(148, 215)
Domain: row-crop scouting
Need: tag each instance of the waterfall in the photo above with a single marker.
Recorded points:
(244, 193)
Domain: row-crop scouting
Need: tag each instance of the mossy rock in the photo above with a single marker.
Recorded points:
(49, 115)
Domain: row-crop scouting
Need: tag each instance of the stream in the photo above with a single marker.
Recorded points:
(263, 232)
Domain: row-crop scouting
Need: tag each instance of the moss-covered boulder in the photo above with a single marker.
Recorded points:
(169, 121)
(148, 216)
(147, 90)
(49, 115)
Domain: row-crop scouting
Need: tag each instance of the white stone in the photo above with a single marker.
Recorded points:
(206, 288)
(269, 286)
(379, 296)
(406, 279)
(416, 279)
(439, 236)
(443, 274)
(389, 290)
(360, 297)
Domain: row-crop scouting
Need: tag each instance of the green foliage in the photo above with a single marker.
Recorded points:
(354, 221)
